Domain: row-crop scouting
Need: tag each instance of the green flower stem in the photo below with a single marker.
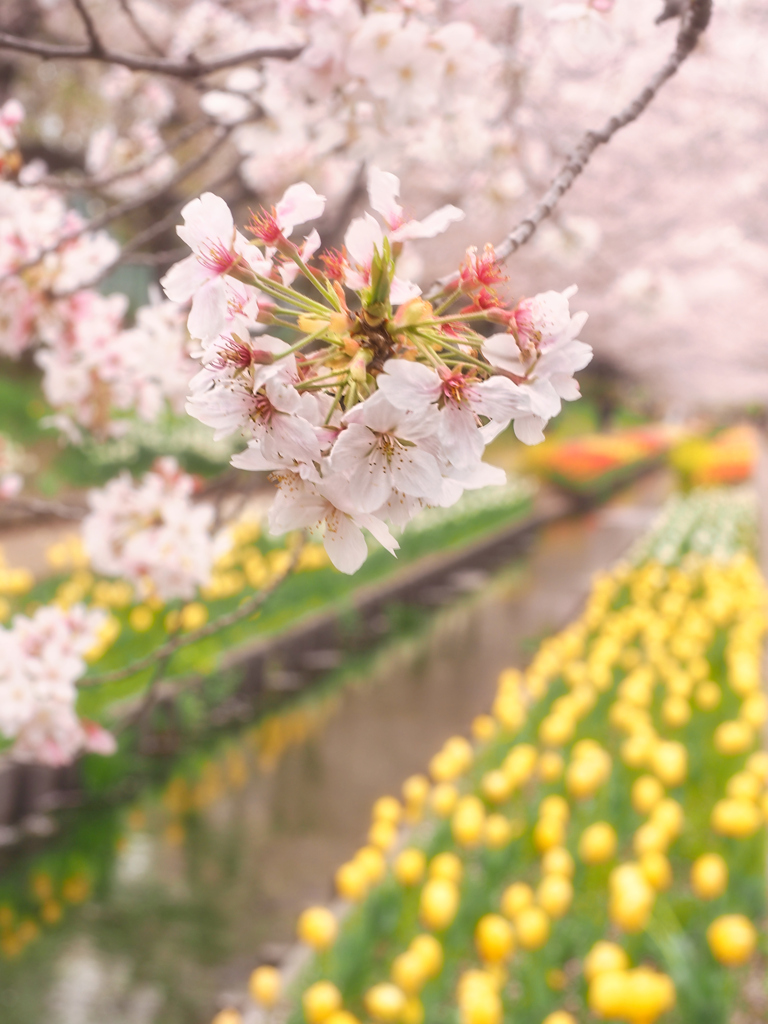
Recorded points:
(336, 400)
(300, 344)
(319, 382)
(328, 293)
(448, 301)
(285, 294)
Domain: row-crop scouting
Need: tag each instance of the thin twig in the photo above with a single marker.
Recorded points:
(97, 47)
(693, 22)
(145, 37)
(178, 642)
(189, 69)
(141, 163)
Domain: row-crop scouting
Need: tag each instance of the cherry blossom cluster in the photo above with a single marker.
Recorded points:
(42, 656)
(151, 533)
(93, 365)
(385, 401)
(391, 82)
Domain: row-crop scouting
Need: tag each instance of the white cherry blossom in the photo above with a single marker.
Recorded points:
(379, 453)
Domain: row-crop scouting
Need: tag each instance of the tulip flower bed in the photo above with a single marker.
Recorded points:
(599, 850)
(594, 463)
(729, 457)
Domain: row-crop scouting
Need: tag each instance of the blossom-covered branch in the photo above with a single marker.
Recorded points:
(189, 69)
(693, 21)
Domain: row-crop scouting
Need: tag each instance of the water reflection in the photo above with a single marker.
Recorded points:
(168, 903)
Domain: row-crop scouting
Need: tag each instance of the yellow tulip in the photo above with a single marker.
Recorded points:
(548, 832)
(318, 927)
(708, 695)
(385, 1002)
(494, 938)
(675, 712)
(498, 831)
(438, 903)
(416, 790)
(668, 816)
(532, 927)
(382, 834)
(551, 766)
(371, 859)
(647, 791)
(408, 972)
(669, 761)
(443, 799)
(352, 881)
(598, 843)
(735, 737)
(320, 1001)
(732, 939)
(484, 728)
(604, 956)
(657, 870)
(264, 985)
(468, 821)
(744, 786)
(516, 897)
(558, 861)
(650, 838)
(496, 786)
(555, 895)
(735, 818)
(448, 866)
(387, 808)
(429, 951)
(709, 876)
(409, 866)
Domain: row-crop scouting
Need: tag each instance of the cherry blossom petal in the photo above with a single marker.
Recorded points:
(530, 429)
(402, 291)
(206, 218)
(184, 278)
(363, 235)
(379, 531)
(383, 190)
(299, 204)
(499, 398)
(345, 543)
(501, 350)
(409, 386)
(567, 387)
(431, 226)
(463, 440)
(209, 309)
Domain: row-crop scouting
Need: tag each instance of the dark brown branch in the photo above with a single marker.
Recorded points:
(97, 47)
(166, 650)
(693, 22)
(190, 69)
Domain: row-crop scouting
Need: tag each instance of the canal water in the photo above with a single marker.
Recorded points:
(156, 912)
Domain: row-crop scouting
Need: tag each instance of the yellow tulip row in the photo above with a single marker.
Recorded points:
(638, 664)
